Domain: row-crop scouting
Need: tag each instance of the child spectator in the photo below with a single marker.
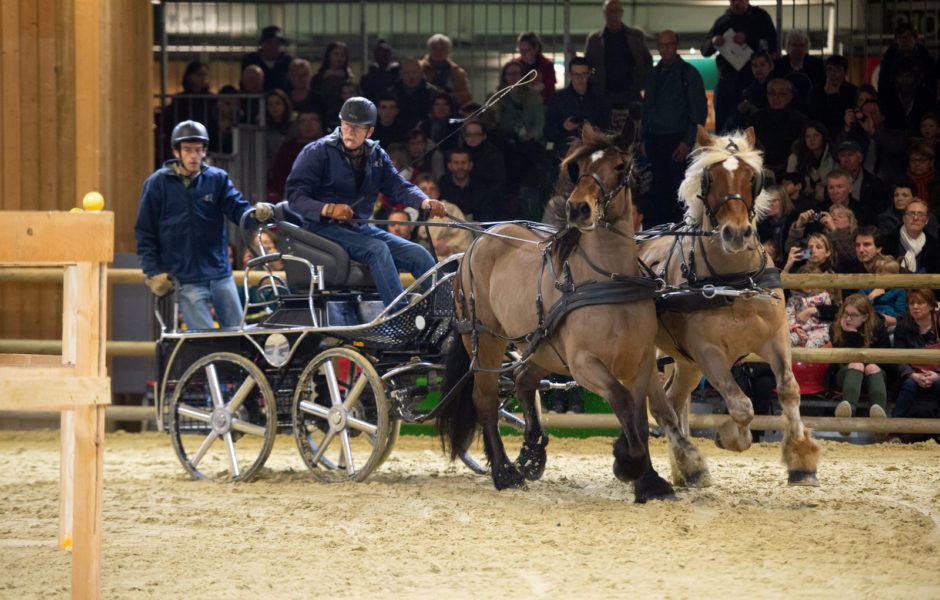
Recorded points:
(887, 303)
(857, 325)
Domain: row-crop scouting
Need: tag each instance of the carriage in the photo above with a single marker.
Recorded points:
(326, 361)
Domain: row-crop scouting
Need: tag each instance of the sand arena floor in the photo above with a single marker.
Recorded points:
(422, 527)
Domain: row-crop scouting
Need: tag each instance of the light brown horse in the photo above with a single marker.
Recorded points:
(722, 195)
(504, 281)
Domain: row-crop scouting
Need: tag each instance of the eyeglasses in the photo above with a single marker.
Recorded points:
(852, 316)
(916, 215)
(919, 159)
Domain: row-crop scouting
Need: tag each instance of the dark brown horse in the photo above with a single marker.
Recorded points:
(722, 195)
(505, 285)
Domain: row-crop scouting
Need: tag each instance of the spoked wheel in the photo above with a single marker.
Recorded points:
(340, 416)
(475, 457)
(223, 418)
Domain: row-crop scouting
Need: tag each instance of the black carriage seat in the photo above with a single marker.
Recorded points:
(340, 271)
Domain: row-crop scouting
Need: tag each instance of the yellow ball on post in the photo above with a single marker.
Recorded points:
(93, 201)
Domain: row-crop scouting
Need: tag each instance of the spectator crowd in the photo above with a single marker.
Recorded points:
(851, 168)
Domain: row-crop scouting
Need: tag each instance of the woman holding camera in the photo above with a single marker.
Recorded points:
(810, 311)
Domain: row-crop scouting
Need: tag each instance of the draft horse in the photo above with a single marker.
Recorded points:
(600, 328)
(722, 193)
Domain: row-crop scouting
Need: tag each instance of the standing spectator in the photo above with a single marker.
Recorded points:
(799, 60)
(298, 84)
(415, 95)
(751, 25)
(382, 74)
(530, 57)
(778, 125)
(829, 101)
(867, 190)
(673, 108)
(754, 96)
(252, 82)
(812, 158)
(271, 58)
(328, 83)
(180, 230)
(309, 129)
(278, 120)
(621, 64)
(444, 73)
(916, 249)
(906, 48)
(193, 102)
(921, 172)
(521, 127)
(571, 107)
(388, 129)
(226, 116)
(902, 194)
(338, 178)
(919, 394)
(857, 325)
(904, 108)
(489, 164)
(472, 196)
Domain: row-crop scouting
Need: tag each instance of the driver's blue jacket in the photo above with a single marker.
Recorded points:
(181, 230)
(323, 175)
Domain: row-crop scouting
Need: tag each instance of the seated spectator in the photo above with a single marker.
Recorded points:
(419, 152)
(444, 73)
(382, 74)
(798, 59)
(402, 227)
(252, 82)
(415, 95)
(754, 96)
(530, 57)
(838, 224)
(521, 126)
(388, 129)
(921, 172)
(919, 393)
(309, 128)
(890, 220)
(829, 101)
(867, 195)
(888, 303)
(916, 249)
(779, 216)
(778, 125)
(299, 88)
(812, 158)
(445, 240)
(883, 148)
(810, 312)
(489, 164)
(278, 121)
(193, 103)
(930, 134)
(440, 130)
(857, 325)
(328, 82)
(260, 293)
(384, 205)
(793, 183)
(904, 108)
(270, 58)
(571, 107)
(471, 195)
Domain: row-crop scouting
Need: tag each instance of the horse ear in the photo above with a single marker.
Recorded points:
(701, 137)
(574, 170)
(750, 137)
(627, 135)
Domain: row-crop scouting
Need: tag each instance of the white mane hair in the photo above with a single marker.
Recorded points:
(706, 156)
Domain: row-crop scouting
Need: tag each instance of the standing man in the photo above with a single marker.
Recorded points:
(621, 64)
(180, 230)
(674, 106)
(271, 58)
(570, 108)
(746, 24)
(338, 177)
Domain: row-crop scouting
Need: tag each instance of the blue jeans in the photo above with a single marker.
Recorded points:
(384, 253)
(194, 299)
(907, 396)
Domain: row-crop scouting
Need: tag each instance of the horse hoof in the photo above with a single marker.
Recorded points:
(531, 461)
(627, 471)
(650, 486)
(803, 478)
(508, 478)
(699, 479)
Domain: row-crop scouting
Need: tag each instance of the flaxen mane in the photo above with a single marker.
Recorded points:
(721, 149)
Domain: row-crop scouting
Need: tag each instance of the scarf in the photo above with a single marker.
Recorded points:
(912, 247)
(921, 182)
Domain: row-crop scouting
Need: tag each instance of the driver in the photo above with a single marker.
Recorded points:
(338, 178)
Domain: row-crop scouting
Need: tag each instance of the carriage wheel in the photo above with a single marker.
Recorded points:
(223, 418)
(342, 432)
(475, 457)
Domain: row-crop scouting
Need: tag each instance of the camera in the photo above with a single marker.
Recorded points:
(817, 216)
(806, 253)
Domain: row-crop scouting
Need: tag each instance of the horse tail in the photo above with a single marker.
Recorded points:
(457, 420)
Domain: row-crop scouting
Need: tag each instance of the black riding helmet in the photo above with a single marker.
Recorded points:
(188, 131)
(358, 110)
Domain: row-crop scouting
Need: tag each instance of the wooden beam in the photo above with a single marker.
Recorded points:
(35, 237)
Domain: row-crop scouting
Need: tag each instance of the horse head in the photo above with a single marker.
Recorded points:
(599, 167)
(723, 183)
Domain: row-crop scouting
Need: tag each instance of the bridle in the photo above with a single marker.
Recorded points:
(602, 201)
(757, 184)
